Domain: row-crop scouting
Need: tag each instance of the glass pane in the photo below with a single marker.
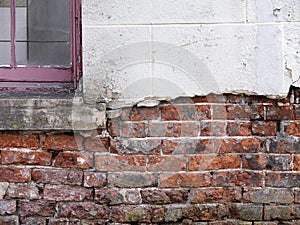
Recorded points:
(44, 25)
(5, 32)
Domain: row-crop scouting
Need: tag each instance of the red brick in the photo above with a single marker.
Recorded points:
(61, 142)
(139, 113)
(16, 175)
(117, 197)
(128, 180)
(26, 158)
(50, 176)
(74, 160)
(281, 212)
(186, 146)
(215, 195)
(187, 129)
(203, 112)
(92, 179)
(84, 210)
(214, 162)
(134, 130)
(268, 195)
(201, 213)
(246, 211)
(167, 163)
(9, 220)
(7, 207)
(239, 129)
(36, 208)
(125, 214)
(161, 129)
(284, 180)
(244, 112)
(254, 161)
(237, 178)
(67, 193)
(292, 128)
(280, 113)
(19, 140)
(135, 146)
(184, 180)
(114, 128)
(23, 191)
(279, 162)
(96, 144)
(120, 163)
(161, 197)
(264, 128)
(212, 128)
(244, 145)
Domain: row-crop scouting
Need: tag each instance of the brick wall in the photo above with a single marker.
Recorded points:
(230, 159)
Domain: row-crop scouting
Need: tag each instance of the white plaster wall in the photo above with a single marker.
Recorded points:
(135, 49)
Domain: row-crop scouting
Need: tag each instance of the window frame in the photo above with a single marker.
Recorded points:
(39, 78)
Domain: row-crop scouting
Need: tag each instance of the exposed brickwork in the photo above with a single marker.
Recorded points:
(229, 160)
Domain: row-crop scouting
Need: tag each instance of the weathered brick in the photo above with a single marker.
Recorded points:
(23, 191)
(254, 161)
(203, 112)
(67, 193)
(253, 112)
(114, 128)
(201, 213)
(239, 129)
(50, 176)
(54, 221)
(264, 128)
(117, 197)
(213, 162)
(282, 179)
(96, 144)
(279, 162)
(159, 197)
(297, 195)
(7, 207)
(17, 175)
(74, 160)
(125, 214)
(36, 208)
(292, 128)
(61, 142)
(296, 162)
(280, 113)
(128, 180)
(84, 210)
(120, 163)
(9, 220)
(134, 130)
(208, 128)
(159, 129)
(166, 163)
(182, 112)
(186, 129)
(246, 211)
(19, 140)
(282, 146)
(26, 158)
(33, 220)
(215, 195)
(268, 195)
(281, 212)
(3, 188)
(237, 178)
(93, 179)
(244, 145)
(135, 146)
(139, 113)
(184, 180)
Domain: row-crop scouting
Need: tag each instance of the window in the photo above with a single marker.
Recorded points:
(39, 43)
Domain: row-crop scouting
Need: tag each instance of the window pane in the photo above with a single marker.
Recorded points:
(44, 26)
(5, 32)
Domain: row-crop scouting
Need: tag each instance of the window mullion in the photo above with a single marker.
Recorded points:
(13, 32)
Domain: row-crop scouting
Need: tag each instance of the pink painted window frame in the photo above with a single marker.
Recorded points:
(19, 77)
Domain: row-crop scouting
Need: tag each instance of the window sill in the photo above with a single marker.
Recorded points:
(49, 111)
